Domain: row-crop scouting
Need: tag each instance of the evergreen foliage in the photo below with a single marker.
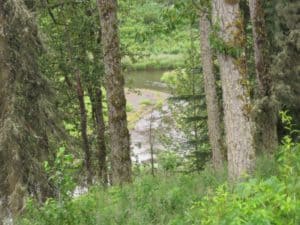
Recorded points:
(286, 70)
(189, 107)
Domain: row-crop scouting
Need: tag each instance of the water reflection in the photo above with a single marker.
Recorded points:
(146, 79)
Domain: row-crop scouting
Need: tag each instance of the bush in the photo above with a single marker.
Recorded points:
(254, 202)
(259, 201)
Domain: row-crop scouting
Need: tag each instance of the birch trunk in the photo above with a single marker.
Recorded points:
(114, 84)
(213, 109)
(267, 115)
(236, 97)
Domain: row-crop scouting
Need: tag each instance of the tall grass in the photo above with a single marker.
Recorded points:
(271, 197)
(149, 200)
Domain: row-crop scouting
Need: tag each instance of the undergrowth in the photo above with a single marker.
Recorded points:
(149, 200)
(270, 197)
(178, 199)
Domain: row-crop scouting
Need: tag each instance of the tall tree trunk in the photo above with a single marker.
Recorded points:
(83, 124)
(23, 109)
(98, 119)
(12, 187)
(236, 97)
(267, 115)
(213, 109)
(114, 84)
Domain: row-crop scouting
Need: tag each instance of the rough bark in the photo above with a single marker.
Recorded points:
(83, 129)
(236, 97)
(114, 84)
(23, 110)
(267, 113)
(98, 119)
(213, 109)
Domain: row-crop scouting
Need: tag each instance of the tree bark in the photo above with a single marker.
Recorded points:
(99, 124)
(267, 113)
(83, 124)
(12, 185)
(114, 84)
(236, 97)
(23, 110)
(213, 109)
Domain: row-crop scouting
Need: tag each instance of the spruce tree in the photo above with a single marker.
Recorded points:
(25, 111)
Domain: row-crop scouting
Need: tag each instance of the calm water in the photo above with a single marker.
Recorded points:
(148, 79)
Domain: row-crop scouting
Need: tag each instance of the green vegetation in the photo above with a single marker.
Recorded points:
(217, 138)
(272, 196)
(145, 32)
(155, 62)
(172, 199)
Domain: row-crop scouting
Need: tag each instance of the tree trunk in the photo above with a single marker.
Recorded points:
(23, 110)
(98, 119)
(267, 113)
(12, 187)
(83, 124)
(114, 84)
(213, 109)
(236, 97)
(151, 142)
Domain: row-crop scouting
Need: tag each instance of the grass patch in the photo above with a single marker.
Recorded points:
(155, 62)
(146, 102)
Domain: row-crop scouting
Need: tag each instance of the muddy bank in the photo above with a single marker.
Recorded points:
(149, 119)
(140, 102)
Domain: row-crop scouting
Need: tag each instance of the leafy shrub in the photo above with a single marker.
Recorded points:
(254, 202)
(62, 172)
(168, 161)
(259, 201)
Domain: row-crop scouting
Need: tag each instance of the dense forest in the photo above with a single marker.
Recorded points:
(139, 112)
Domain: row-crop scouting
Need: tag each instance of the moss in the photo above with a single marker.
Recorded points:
(24, 142)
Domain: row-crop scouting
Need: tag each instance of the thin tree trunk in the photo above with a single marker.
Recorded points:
(195, 127)
(213, 109)
(236, 97)
(267, 115)
(151, 143)
(114, 84)
(96, 100)
(83, 124)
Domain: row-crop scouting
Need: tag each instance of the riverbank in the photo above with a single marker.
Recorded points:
(155, 62)
(140, 102)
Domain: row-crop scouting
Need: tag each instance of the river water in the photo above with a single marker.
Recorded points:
(146, 79)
